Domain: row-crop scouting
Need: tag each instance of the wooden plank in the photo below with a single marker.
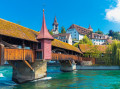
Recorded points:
(19, 54)
(27, 63)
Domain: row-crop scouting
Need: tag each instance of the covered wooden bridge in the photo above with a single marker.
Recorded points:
(28, 51)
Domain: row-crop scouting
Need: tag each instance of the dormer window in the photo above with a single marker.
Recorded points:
(39, 45)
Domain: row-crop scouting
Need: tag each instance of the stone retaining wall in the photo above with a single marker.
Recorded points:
(97, 67)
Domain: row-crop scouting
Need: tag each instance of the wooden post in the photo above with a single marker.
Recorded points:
(0, 39)
(2, 54)
(23, 44)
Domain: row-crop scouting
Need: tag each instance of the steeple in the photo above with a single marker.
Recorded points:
(90, 28)
(55, 21)
(55, 27)
(44, 34)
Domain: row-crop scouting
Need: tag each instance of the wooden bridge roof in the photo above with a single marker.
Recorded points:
(17, 31)
(14, 30)
(60, 44)
(86, 48)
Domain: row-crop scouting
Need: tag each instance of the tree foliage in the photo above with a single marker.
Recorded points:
(51, 32)
(112, 55)
(114, 35)
(85, 40)
(99, 32)
(63, 30)
(94, 52)
(75, 44)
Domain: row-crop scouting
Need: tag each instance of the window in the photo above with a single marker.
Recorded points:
(39, 45)
(39, 55)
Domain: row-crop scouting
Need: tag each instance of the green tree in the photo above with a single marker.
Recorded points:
(99, 32)
(51, 32)
(111, 33)
(93, 52)
(63, 30)
(112, 55)
(75, 44)
(85, 40)
(114, 35)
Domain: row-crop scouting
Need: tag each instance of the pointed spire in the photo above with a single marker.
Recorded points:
(55, 21)
(90, 27)
(44, 34)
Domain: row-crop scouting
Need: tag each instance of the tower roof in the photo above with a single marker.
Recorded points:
(90, 27)
(55, 21)
(44, 34)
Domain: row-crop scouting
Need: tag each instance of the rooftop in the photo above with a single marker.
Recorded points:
(88, 48)
(17, 31)
(81, 30)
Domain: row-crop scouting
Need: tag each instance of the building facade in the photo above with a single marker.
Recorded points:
(55, 29)
(98, 39)
(78, 32)
(66, 37)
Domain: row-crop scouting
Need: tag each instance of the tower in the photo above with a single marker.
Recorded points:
(44, 45)
(55, 26)
(90, 28)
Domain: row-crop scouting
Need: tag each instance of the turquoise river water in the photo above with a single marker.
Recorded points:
(80, 79)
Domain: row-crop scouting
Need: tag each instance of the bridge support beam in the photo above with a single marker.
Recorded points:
(67, 65)
(23, 73)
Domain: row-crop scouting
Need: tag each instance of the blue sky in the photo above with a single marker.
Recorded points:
(102, 14)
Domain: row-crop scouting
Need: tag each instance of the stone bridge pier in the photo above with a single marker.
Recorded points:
(67, 65)
(23, 73)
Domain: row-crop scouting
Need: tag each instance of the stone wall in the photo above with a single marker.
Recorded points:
(86, 63)
(22, 73)
(98, 67)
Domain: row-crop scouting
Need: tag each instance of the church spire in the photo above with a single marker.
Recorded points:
(90, 28)
(44, 34)
(55, 21)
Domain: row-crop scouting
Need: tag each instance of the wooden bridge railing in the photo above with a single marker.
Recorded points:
(56, 56)
(19, 54)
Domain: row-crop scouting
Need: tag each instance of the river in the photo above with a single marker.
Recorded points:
(79, 79)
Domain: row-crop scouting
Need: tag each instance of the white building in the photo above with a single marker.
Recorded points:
(66, 37)
(98, 39)
(78, 32)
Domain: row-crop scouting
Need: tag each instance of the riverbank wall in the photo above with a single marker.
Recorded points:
(78, 67)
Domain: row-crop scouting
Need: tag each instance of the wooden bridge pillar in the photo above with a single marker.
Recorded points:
(67, 65)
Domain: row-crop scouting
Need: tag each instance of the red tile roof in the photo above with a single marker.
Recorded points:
(97, 36)
(67, 35)
(81, 30)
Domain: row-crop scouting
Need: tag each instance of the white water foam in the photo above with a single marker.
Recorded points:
(1, 75)
(46, 78)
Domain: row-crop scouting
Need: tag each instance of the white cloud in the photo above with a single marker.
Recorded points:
(113, 14)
